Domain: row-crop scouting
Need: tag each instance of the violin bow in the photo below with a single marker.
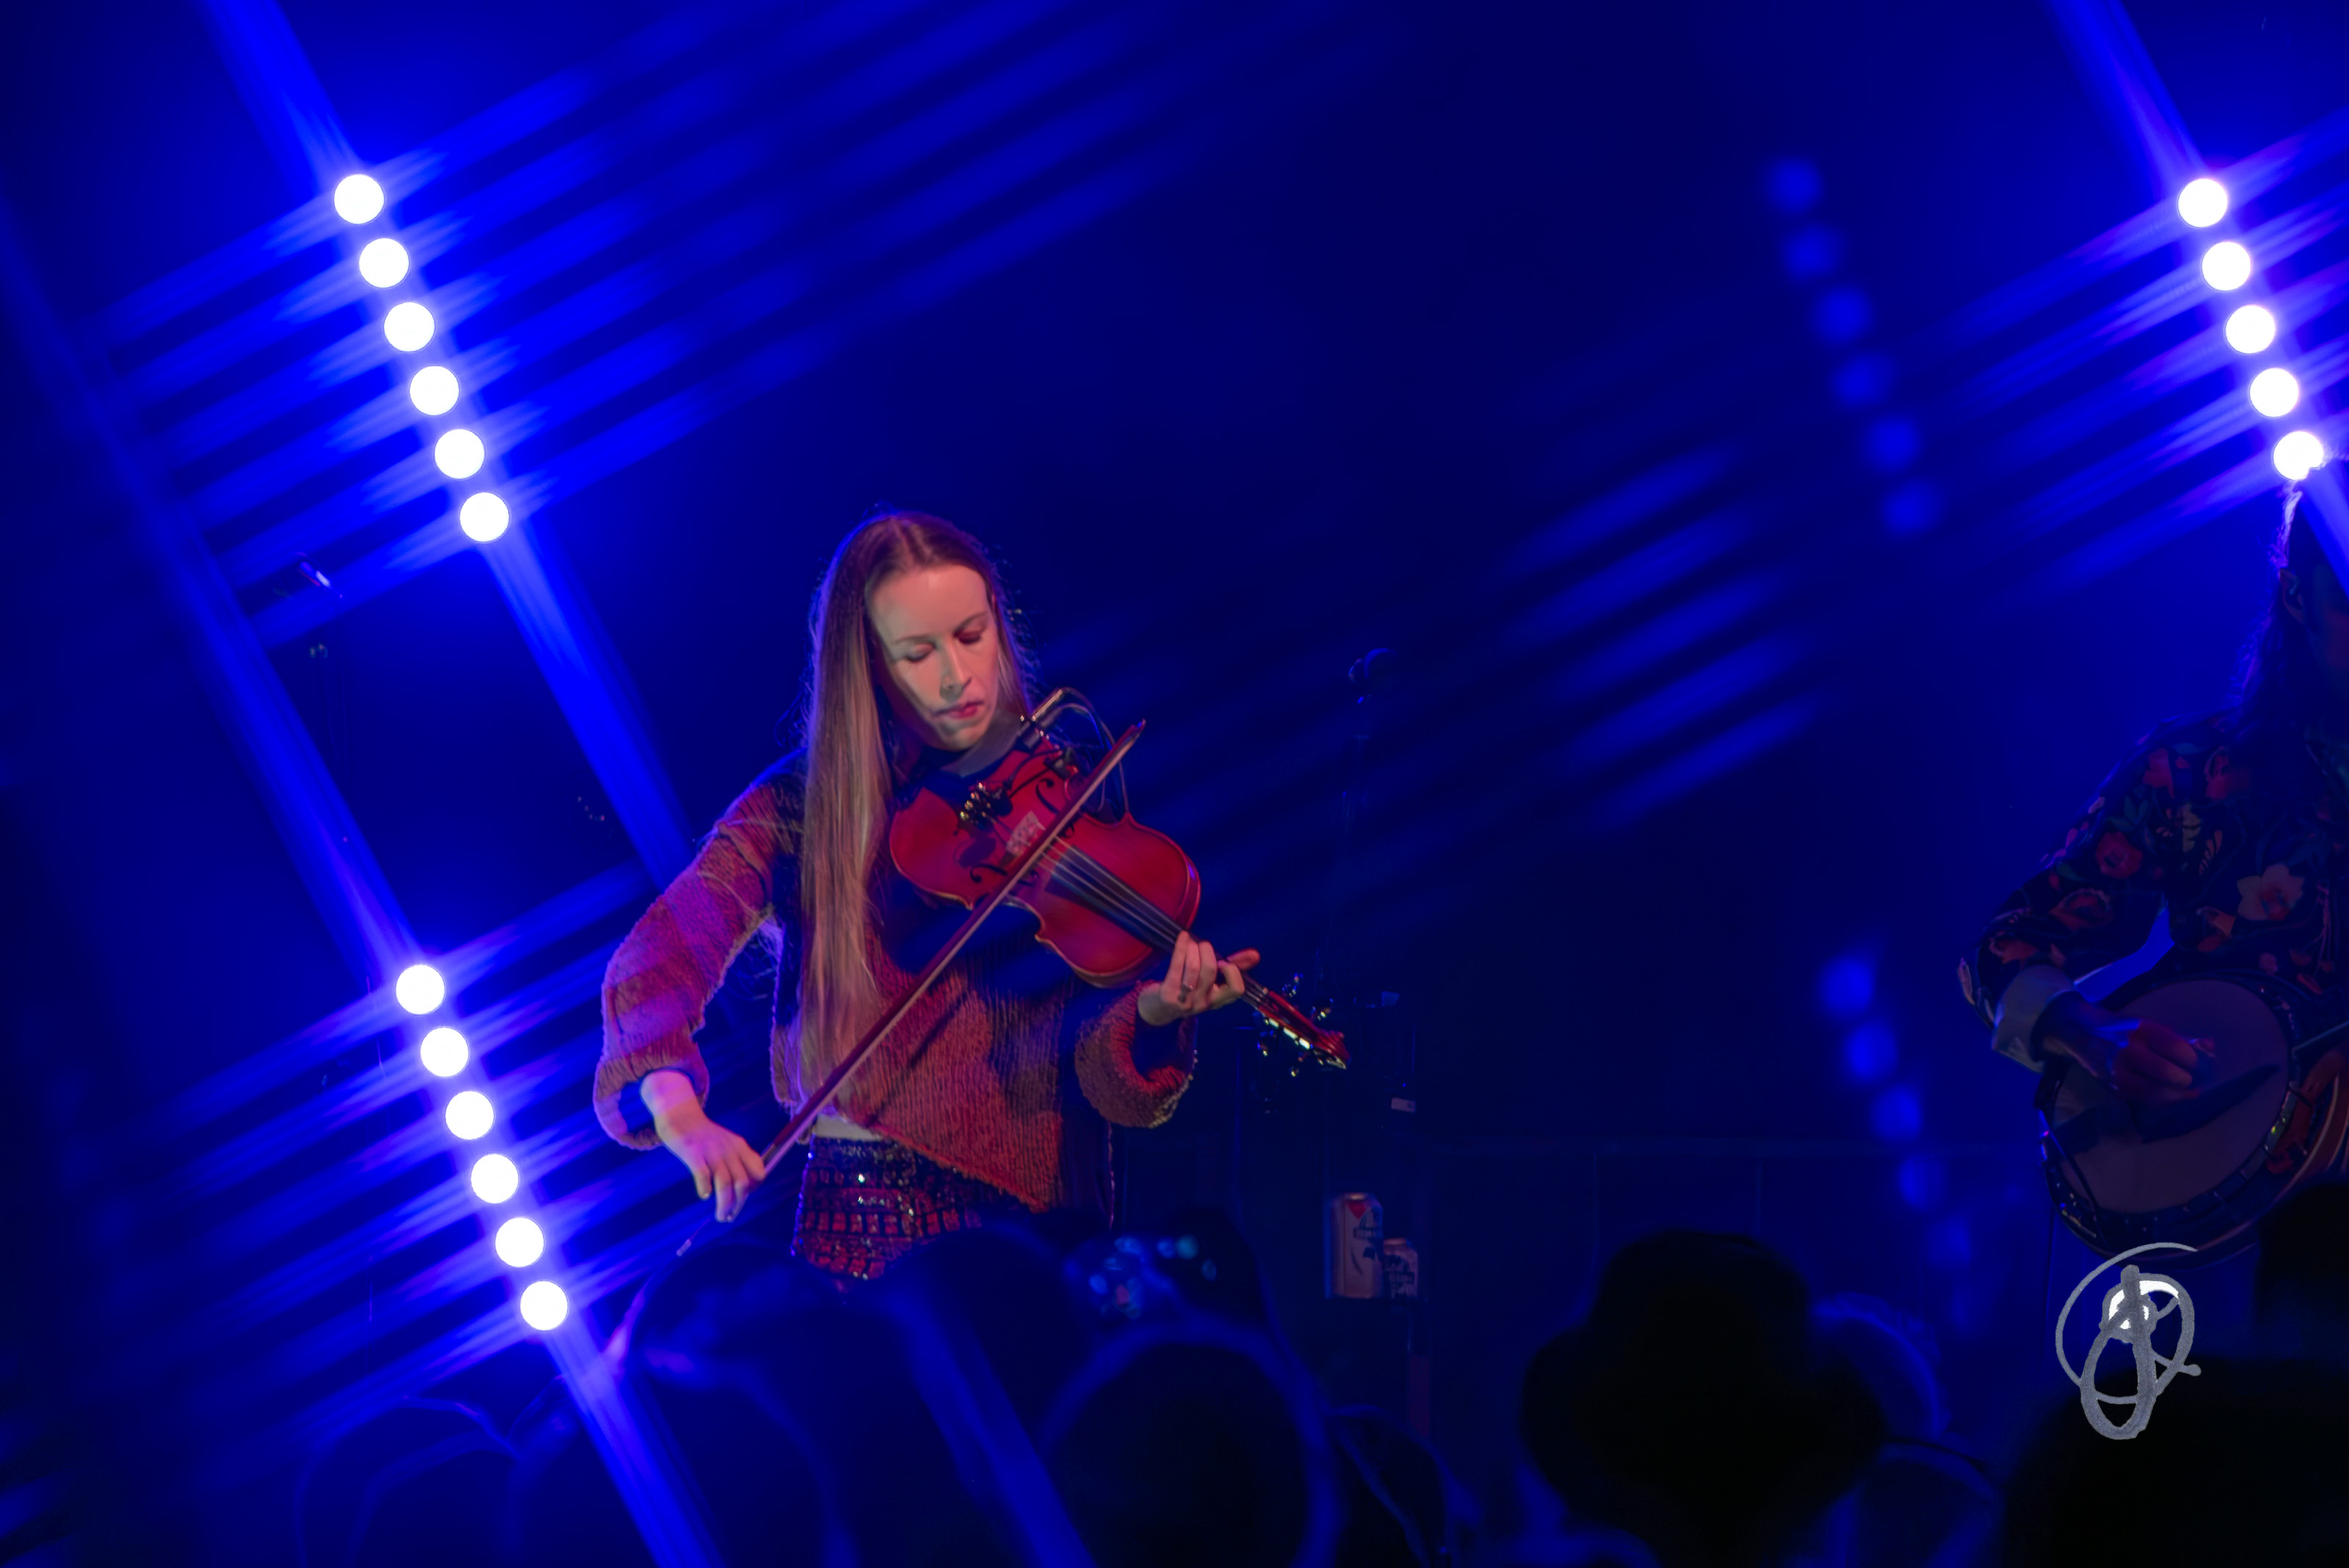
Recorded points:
(816, 1103)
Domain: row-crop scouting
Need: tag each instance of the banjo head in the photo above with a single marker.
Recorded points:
(2200, 1170)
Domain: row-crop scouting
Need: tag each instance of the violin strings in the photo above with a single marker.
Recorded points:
(1103, 890)
(1102, 887)
(1108, 892)
(1111, 894)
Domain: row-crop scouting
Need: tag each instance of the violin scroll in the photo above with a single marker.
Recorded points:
(1286, 1022)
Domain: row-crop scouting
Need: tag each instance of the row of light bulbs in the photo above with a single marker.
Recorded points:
(409, 326)
(469, 1116)
(2251, 329)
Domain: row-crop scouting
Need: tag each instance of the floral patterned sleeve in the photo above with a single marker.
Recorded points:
(2094, 900)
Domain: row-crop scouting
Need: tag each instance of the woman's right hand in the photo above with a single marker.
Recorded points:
(721, 1162)
(2143, 1061)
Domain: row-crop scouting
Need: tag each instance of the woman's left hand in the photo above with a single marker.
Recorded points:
(1197, 981)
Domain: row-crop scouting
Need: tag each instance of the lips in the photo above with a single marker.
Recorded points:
(967, 710)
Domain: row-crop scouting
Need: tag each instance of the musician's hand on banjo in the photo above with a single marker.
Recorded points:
(721, 1162)
(2143, 1061)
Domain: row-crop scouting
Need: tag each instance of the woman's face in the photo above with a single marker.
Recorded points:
(936, 635)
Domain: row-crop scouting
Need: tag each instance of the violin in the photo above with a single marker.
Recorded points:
(1108, 896)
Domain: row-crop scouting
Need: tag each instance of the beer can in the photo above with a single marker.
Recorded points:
(1401, 1259)
(1354, 1261)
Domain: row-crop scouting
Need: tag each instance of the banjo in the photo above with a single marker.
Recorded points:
(2268, 1117)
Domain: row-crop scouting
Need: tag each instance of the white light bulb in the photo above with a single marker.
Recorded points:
(459, 454)
(2203, 202)
(420, 988)
(383, 263)
(469, 1115)
(445, 1052)
(2251, 329)
(2298, 454)
(358, 198)
(433, 389)
(2275, 392)
(2226, 265)
(409, 326)
(496, 1180)
(521, 1242)
(545, 1306)
(483, 517)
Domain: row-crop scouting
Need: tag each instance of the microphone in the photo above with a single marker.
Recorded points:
(1374, 671)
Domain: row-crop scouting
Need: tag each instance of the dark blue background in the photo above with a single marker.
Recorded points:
(1313, 394)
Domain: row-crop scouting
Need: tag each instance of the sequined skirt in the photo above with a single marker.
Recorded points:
(863, 1205)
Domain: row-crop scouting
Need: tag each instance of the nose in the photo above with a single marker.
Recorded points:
(957, 672)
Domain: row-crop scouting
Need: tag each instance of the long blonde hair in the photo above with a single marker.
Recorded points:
(851, 735)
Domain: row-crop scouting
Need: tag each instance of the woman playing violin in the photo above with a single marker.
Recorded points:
(996, 1094)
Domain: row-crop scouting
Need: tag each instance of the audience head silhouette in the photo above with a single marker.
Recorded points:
(2300, 1285)
(1694, 1408)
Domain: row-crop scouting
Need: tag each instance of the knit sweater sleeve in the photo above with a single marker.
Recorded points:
(662, 976)
(1133, 1074)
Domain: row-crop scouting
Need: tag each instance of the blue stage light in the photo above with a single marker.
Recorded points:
(1896, 1115)
(433, 389)
(1841, 314)
(496, 1180)
(458, 454)
(420, 988)
(1792, 185)
(1923, 1180)
(1913, 508)
(545, 1306)
(358, 198)
(469, 1114)
(1848, 985)
(407, 326)
(520, 1243)
(2226, 265)
(445, 1052)
(1812, 251)
(1869, 1052)
(2298, 454)
(2251, 329)
(2203, 202)
(1863, 382)
(1893, 442)
(383, 263)
(483, 517)
(2275, 392)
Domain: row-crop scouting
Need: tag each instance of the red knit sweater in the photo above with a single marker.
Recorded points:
(1008, 1070)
